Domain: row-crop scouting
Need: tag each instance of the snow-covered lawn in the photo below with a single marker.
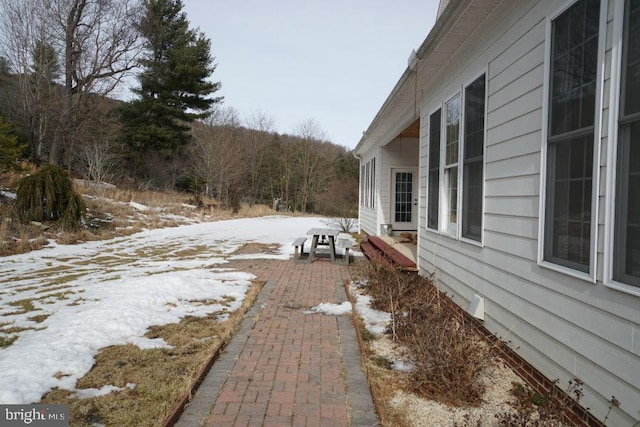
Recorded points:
(62, 304)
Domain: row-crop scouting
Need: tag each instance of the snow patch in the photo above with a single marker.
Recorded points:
(331, 309)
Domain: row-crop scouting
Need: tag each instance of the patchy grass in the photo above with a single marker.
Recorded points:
(192, 252)
(39, 318)
(15, 330)
(6, 341)
(384, 384)
(113, 212)
(162, 377)
(26, 305)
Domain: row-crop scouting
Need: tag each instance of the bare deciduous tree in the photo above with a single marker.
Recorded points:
(260, 127)
(217, 154)
(309, 160)
(96, 43)
(35, 67)
(99, 156)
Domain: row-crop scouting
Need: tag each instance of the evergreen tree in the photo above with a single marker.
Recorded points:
(173, 87)
(10, 150)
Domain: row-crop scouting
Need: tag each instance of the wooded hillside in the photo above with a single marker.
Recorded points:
(62, 65)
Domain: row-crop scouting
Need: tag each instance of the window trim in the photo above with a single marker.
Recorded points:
(590, 275)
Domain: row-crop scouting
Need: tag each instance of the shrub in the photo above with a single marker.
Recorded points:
(48, 195)
(552, 409)
(448, 354)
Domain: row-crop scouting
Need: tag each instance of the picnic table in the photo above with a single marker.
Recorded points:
(322, 237)
(329, 237)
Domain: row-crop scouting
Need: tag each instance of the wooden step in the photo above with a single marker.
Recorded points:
(374, 254)
(390, 252)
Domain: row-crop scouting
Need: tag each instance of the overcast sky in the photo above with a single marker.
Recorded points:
(334, 61)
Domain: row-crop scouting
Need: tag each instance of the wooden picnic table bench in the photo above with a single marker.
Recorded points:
(298, 243)
(323, 237)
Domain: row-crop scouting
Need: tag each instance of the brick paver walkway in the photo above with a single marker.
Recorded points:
(285, 367)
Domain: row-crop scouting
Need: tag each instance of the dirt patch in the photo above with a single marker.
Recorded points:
(258, 248)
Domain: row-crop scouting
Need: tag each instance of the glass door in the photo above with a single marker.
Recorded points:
(404, 199)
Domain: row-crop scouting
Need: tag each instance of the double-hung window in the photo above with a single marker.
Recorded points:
(473, 172)
(368, 184)
(453, 152)
(570, 136)
(451, 160)
(372, 180)
(626, 268)
(433, 205)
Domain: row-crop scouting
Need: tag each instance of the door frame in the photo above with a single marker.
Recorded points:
(404, 226)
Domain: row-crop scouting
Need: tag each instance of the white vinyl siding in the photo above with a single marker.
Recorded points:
(368, 193)
(565, 326)
(566, 320)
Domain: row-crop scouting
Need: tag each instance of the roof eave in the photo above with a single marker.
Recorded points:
(439, 31)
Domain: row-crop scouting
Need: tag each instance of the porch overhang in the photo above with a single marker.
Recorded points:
(457, 23)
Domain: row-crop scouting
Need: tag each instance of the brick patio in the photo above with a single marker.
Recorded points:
(284, 367)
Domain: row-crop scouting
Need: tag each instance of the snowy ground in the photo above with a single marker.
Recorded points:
(63, 304)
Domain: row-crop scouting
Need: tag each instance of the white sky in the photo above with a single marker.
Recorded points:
(334, 61)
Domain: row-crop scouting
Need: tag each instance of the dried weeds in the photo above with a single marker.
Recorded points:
(446, 351)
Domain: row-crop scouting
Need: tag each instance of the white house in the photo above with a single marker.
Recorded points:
(511, 146)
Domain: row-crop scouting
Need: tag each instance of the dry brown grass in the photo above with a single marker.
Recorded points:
(5, 234)
(162, 377)
(115, 212)
(450, 359)
(384, 384)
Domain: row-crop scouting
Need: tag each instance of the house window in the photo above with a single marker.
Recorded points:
(368, 184)
(434, 170)
(570, 139)
(473, 176)
(373, 182)
(452, 140)
(627, 228)
(363, 187)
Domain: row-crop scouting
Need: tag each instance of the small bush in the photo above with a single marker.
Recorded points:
(447, 352)
(535, 410)
(48, 195)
